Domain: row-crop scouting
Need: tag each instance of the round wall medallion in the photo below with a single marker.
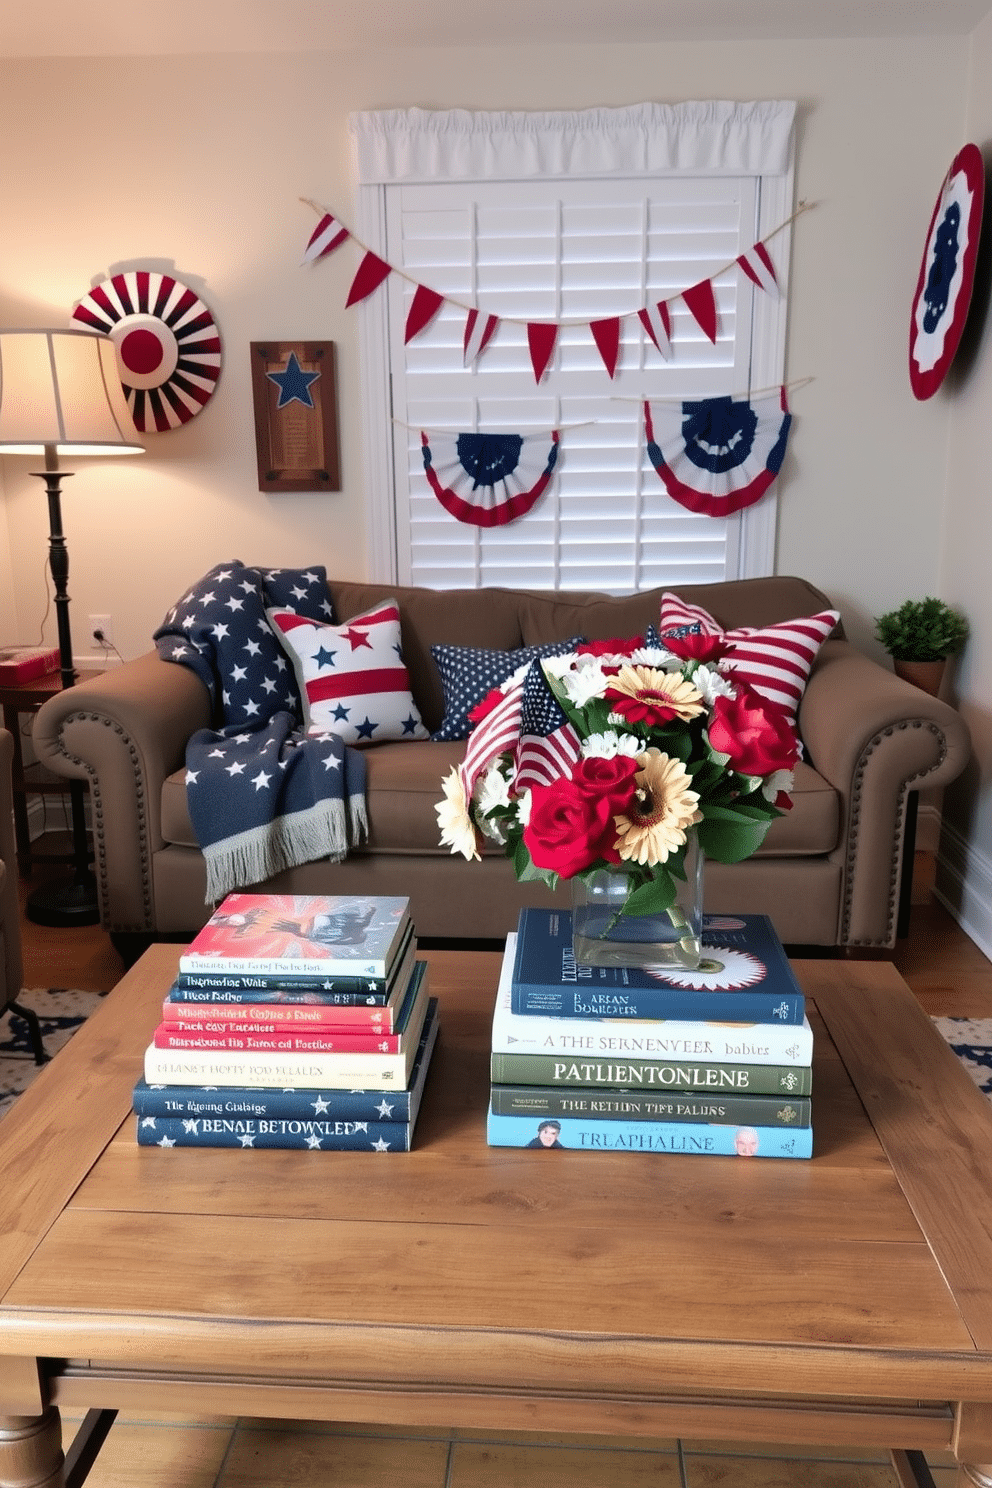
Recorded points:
(168, 345)
(947, 273)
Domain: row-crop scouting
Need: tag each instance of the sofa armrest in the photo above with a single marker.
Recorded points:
(123, 733)
(875, 737)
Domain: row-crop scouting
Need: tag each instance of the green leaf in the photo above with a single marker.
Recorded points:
(654, 897)
(730, 839)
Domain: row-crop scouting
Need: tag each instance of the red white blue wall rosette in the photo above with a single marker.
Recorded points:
(947, 273)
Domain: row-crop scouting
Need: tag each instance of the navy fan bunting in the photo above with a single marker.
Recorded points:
(489, 479)
(718, 455)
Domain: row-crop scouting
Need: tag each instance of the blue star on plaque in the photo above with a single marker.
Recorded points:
(293, 383)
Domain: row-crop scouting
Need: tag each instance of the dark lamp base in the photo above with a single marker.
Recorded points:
(64, 904)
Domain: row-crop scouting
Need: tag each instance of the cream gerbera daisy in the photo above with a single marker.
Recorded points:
(457, 831)
(665, 805)
(647, 695)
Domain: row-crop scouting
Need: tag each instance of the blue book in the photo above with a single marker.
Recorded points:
(176, 1101)
(744, 976)
(691, 1139)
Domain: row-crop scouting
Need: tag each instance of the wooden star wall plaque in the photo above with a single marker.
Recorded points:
(296, 425)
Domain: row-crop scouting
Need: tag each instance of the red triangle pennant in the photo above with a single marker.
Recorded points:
(541, 338)
(371, 272)
(606, 334)
(702, 302)
(426, 304)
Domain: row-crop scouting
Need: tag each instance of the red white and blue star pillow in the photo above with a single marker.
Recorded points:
(947, 273)
(352, 678)
(168, 345)
(717, 455)
(489, 479)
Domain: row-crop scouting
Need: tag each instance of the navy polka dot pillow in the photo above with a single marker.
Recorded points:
(468, 674)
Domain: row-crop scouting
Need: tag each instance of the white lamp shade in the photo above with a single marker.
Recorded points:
(62, 389)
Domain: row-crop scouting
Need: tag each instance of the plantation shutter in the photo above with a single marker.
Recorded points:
(568, 248)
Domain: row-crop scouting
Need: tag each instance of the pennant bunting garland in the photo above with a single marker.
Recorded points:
(479, 331)
(541, 338)
(657, 322)
(488, 479)
(606, 334)
(702, 302)
(371, 272)
(326, 236)
(426, 304)
(718, 455)
(759, 269)
(480, 327)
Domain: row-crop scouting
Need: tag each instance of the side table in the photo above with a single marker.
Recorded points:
(27, 697)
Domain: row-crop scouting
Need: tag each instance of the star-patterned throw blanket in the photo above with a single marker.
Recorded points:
(263, 794)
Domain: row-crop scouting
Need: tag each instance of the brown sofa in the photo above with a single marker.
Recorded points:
(828, 873)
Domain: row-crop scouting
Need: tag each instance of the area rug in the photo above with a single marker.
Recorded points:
(60, 1012)
(971, 1040)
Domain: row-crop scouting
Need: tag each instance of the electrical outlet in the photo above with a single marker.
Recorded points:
(105, 626)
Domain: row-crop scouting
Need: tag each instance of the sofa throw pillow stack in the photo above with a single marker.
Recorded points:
(468, 674)
(219, 630)
(775, 660)
(352, 678)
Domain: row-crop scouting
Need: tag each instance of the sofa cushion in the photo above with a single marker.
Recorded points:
(404, 787)
(468, 673)
(351, 677)
(775, 659)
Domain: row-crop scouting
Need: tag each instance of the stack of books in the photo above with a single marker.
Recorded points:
(295, 1021)
(601, 1058)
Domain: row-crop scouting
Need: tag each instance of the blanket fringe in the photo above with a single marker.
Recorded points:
(322, 831)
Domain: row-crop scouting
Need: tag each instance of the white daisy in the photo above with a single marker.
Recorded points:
(610, 743)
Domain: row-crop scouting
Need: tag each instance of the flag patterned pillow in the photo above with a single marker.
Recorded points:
(774, 659)
(352, 678)
(469, 673)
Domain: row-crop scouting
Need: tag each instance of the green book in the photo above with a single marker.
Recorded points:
(673, 1077)
(640, 1105)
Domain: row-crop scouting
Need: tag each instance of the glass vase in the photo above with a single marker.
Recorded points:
(602, 935)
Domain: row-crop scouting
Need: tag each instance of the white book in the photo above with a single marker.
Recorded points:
(648, 1038)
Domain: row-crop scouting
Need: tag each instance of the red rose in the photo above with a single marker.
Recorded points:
(696, 646)
(615, 647)
(485, 705)
(755, 732)
(571, 821)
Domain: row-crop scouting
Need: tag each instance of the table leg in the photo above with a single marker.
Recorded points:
(31, 1451)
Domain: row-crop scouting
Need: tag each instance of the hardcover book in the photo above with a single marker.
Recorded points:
(251, 1118)
(330, 989)
(279, 1040)
(24, 663)
(744, 976)
(628, 1041)
(688, 1138)
(639, 1105)
(337, 1105)
(290, 1010)
(301, 935)
(344, 1071)
(669, 1077)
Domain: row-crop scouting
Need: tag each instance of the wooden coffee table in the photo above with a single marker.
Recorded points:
(844, 1300)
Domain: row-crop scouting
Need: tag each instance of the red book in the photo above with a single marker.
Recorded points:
(168, 1036)
(24, 663)
(278, 1017)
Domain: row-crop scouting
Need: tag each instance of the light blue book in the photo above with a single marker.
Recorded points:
(691, 1139)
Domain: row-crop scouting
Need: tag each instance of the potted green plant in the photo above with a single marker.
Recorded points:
(919, 636)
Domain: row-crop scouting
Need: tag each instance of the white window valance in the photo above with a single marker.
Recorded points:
(394, 145)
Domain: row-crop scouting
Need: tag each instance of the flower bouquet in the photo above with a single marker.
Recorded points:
(623, 757)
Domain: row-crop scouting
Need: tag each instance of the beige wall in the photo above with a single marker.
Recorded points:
(966, 848)
(197, 165)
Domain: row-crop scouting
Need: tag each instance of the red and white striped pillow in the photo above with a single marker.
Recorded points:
(775, 659)
(351, 677)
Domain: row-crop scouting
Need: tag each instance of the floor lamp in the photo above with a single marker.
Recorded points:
(61, 395)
